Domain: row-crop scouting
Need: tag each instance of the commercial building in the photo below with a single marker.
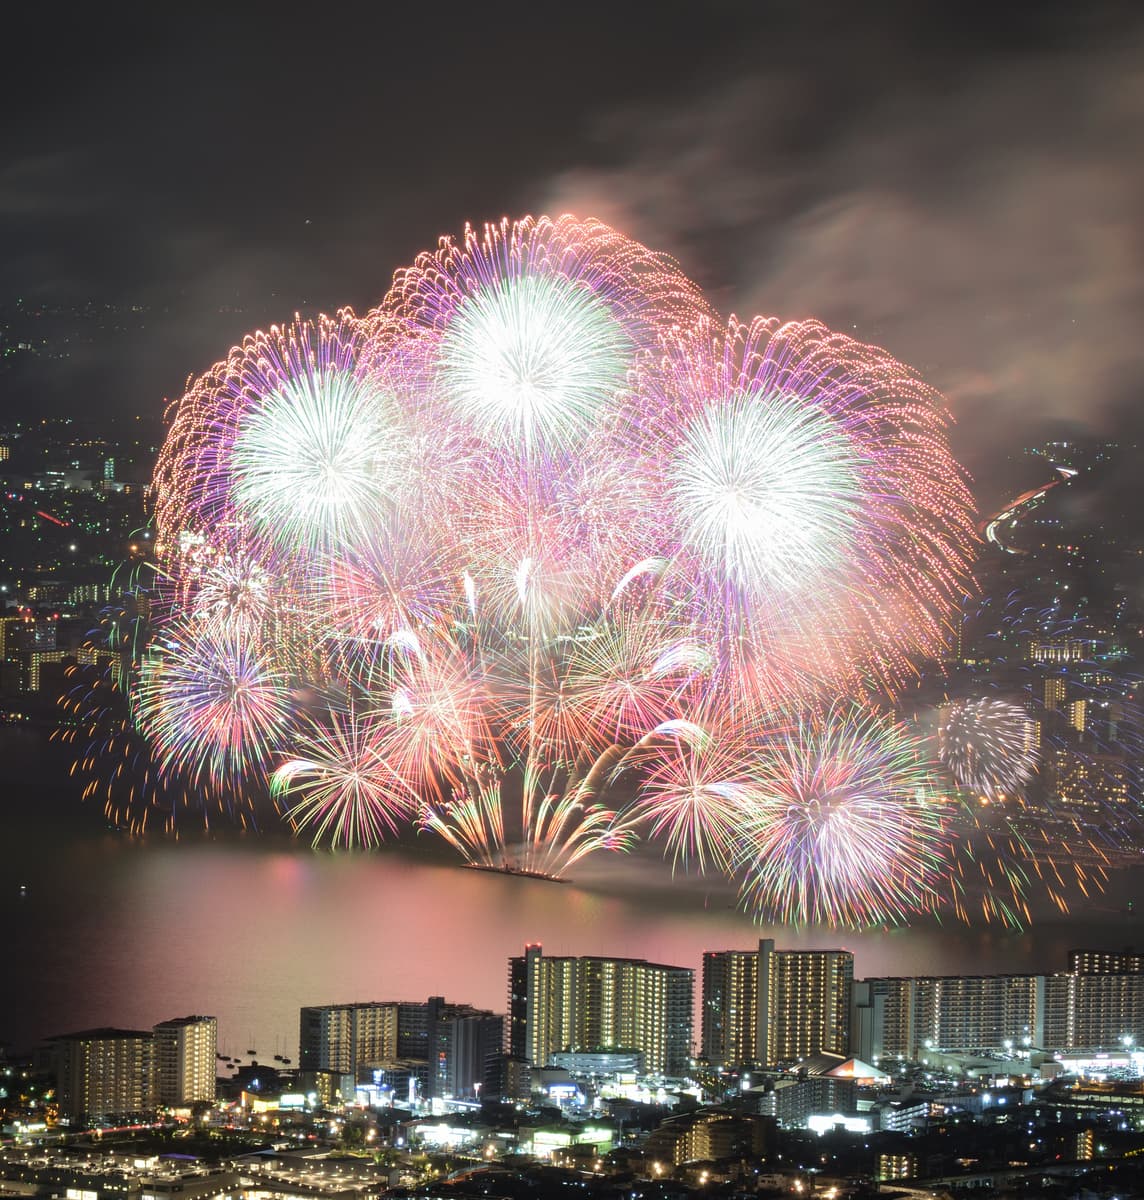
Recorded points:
(600, 1062)
(591, 1003)
(464, 1043)
(1060, 650)
(446, 1047)
(770, 1006)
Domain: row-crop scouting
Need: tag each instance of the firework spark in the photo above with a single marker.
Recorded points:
(532, 360)
(767, 492)
(213, 702)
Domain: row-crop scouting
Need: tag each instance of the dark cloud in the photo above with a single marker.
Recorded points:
(982, 220)
(962, 184)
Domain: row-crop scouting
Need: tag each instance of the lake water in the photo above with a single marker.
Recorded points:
(116, 931)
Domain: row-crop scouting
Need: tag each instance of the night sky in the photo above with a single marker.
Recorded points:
(963, 184)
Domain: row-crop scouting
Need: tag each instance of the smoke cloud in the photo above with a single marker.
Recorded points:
(984, 224)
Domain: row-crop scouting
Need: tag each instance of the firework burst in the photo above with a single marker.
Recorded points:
(312, 462)
(810, 499)
(693, 794)
(212, 702)
(340, 786)
(531, 360)
(533, 555)
(988, 745)
(845, 824)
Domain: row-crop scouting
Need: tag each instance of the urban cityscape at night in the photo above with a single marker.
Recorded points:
(572, 590)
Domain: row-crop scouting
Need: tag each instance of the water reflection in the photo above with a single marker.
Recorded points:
(112, 931)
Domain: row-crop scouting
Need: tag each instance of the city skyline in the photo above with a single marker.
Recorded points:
(573, 576)
(759, 1007)
(955, 188)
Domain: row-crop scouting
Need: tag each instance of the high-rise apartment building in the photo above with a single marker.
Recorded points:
(803, 1002)
(1087, 781)
(185, 1052)
(105, 1074)
(729, 1014)
(906, 1016)
(116, 1074)
(1094, 1012)
(343, 1037)
(1106, 962)
(979, 1011)
(462, 1043)
(593, 1003)
(516, 1017)
(1054, 692)
(1078, 1010)
(768, 1006)
(882, 1019)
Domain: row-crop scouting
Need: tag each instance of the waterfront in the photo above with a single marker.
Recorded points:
(118, 931)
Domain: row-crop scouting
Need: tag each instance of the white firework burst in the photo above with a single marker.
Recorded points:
(530, 361)
(316, 461)
(767, 492)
